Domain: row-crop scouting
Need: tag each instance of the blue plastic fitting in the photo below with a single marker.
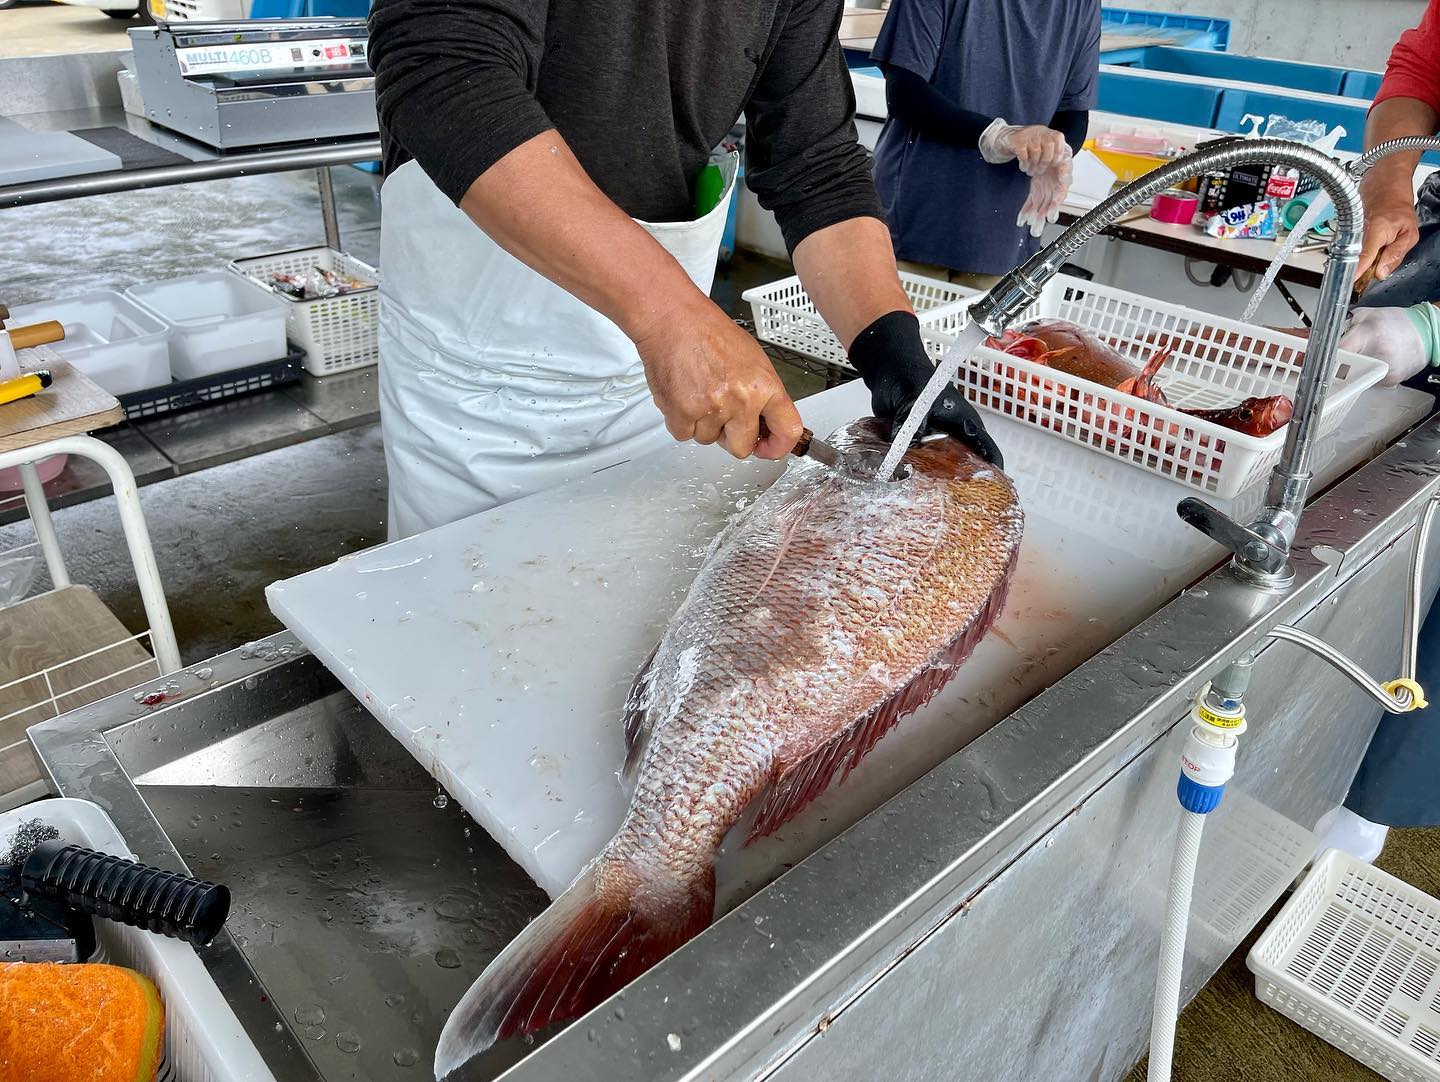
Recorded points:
(1202, 799)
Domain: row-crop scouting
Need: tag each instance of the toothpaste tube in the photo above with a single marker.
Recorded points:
(1253, 220)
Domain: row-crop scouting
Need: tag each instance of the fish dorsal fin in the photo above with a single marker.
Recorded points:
(638, 722)
(800, 781)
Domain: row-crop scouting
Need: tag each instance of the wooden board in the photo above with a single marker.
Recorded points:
(70, 406)
(50, 630)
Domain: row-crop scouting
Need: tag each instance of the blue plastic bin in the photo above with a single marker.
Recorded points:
(1317, 78)
(1234, 104)
(1194, 31)
(1361, 84)
(1157, 99)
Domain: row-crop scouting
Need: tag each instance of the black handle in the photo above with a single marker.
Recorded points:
(123, 890)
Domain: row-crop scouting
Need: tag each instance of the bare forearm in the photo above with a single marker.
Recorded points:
(848, 270)
(1396, 118)
(540, 206)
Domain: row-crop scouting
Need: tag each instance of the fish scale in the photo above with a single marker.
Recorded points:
(830, 608)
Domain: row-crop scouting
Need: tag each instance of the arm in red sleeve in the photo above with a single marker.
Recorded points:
(1414, 67)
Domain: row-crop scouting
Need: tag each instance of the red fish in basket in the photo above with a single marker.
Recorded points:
(1071, 349)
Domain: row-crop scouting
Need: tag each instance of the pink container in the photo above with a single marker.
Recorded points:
(48, 469)
(1175, 206)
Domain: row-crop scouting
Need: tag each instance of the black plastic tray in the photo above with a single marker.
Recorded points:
(206, 390)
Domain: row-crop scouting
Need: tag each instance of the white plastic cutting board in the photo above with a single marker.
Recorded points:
(499, 649)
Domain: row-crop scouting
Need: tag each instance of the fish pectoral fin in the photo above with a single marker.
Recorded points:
(638, 722)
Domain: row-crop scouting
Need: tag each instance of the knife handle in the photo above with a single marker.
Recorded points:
(37, 334)
(802, 445)
(126, 891)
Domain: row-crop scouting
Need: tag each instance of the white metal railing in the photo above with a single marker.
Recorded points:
(51, 673)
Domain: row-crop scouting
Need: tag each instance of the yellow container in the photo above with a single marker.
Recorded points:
(1126, 167)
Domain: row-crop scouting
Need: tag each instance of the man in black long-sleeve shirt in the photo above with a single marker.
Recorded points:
(554, 125)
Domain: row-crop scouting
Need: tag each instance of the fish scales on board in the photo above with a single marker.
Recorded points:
(824, 613)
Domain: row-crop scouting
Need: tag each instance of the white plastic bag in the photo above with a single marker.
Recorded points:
(17, 575)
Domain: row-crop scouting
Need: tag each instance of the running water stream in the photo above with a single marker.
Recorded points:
(966, 340)
(1318, 206)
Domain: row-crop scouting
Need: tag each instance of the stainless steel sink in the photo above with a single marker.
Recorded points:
(352, 933)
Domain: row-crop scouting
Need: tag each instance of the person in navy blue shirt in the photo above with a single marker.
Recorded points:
(988, 101)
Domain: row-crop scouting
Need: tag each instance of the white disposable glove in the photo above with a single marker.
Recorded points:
(1406, 339)
(1047, 193)
(1034, 147)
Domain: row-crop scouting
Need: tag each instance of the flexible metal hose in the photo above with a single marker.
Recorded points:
(1017, 290)
(1172, 946)
(1362, 164)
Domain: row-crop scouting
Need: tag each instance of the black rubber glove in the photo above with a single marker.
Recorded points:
(892, 361)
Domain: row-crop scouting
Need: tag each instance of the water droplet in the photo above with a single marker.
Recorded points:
(620, 1014)
(406, 1057)
(309, 1014)
(347, 1041)
(395, 1000)
(441, 801)
(446, 958)
(314, 1033)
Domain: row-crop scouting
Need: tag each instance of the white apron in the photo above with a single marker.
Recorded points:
(495, 382)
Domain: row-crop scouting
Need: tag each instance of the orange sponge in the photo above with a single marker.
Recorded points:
(78, 1023)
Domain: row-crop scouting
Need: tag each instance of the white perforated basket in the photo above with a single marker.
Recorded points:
(204, 1041)
(1215, 363)
(1354, 957)
(785, 316)
(336, 333)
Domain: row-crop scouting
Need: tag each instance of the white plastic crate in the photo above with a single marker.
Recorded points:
(1354, 957)
(114, 341)
(785, 316)
(204, 1041)
(217, 322)
(336, 333)
(1215, 362)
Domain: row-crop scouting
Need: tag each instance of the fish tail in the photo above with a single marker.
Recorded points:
(611, 925)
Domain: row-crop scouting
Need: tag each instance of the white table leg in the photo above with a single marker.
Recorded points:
(39, 511)
(132, 521)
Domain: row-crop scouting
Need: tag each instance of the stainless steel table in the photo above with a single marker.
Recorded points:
(81, 92)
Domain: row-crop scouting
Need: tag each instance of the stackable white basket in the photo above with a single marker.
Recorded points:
(204, 1041)
(1215, 363)
(1354, 957)
(336, 333)
(785, 316)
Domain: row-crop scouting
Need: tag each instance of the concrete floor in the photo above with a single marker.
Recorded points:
(31, 29)
(222, 534)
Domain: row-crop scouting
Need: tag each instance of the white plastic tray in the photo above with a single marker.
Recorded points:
(786, 317)
(114, 341)
(1215, 363)
(336, 333)
(217, 320)
(204, 1041)
(1354, 957)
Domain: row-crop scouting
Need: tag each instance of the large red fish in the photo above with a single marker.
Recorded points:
(828, 610)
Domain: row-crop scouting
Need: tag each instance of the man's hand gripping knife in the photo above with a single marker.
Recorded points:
(891, 359)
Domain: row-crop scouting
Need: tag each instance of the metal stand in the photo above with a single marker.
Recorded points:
(132, 521)
(327, 207)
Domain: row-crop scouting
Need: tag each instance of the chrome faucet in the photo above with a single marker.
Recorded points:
(1262, 546)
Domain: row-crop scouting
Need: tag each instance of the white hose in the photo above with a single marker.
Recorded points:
(1318, 206)
(1172, 946)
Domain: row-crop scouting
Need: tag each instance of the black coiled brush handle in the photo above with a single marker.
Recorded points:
(123, 890)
